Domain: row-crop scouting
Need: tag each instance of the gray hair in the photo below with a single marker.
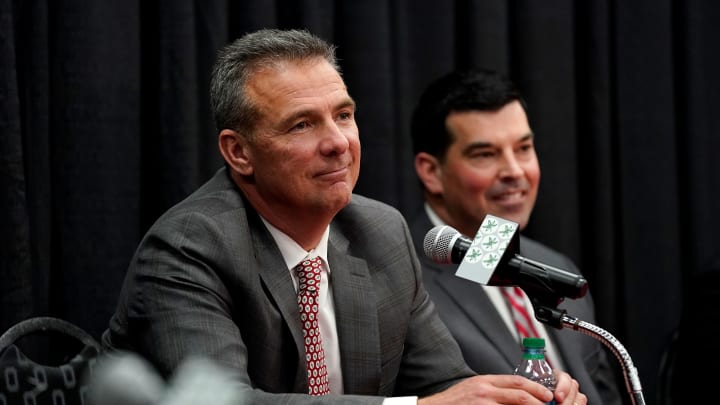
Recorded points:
(238, 61)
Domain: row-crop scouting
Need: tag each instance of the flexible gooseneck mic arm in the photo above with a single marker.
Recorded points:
(548, 313)
(632, 379)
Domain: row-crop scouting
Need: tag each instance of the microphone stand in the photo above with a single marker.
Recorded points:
(549, 314)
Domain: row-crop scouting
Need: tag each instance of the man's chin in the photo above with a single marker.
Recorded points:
(520, 218)
(336, 201)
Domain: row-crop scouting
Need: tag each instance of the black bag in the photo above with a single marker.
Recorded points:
(68, 355)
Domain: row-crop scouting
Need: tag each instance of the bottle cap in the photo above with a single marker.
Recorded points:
(534, 342)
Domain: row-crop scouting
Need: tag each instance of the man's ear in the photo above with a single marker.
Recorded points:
(234, 149)
(429, 171)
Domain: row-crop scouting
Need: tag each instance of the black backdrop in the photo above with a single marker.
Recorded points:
(104, 123)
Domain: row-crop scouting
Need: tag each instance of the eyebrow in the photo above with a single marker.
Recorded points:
(481, 144)
(527, 137)
(347, 102)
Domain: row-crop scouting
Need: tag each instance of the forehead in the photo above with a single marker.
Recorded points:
(508, 123)
(291, 83)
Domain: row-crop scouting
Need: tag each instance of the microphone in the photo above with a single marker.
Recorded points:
(492, 259)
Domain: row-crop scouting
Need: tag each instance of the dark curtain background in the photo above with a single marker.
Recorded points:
(104, 123)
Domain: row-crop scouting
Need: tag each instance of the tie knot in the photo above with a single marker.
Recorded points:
(308, 272)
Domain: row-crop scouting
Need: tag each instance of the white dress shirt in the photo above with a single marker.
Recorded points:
(293, 254)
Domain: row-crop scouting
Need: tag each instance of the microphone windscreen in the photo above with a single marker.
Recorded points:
(438, 243)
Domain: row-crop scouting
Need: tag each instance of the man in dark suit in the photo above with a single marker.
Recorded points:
(216, 276)
(474, 156)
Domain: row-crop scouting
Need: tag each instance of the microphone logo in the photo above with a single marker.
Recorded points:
(496, 240)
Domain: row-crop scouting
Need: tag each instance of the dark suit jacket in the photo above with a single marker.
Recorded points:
(487, 344)
(208, 279)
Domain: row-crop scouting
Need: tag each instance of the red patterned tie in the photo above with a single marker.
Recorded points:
(308, 291)
(521, 318)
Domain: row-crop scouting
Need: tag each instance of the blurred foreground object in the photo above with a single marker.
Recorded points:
(128, 379)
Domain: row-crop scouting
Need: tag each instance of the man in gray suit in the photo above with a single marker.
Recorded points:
(474, 156)
(215, 275)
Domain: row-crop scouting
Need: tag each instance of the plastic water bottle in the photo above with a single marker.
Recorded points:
(534, 366)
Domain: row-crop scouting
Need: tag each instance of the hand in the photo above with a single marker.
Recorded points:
(567, 391)
(508, 389)
(502, 389)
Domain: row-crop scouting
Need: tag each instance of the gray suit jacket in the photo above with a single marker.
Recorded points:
(208, 279)
(487, 344)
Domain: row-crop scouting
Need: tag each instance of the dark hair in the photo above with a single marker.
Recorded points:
(238, 61)
(461, 90)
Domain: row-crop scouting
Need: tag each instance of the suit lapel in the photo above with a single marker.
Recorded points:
(276, 278)
(488, 323)
(359, 336)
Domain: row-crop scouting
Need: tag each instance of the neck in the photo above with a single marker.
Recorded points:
(305, 228)
(465, 227)
(307, 236)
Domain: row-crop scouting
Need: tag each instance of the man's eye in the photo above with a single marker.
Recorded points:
(526, 148)
(300, 126)
(483, 155)
(345, 115)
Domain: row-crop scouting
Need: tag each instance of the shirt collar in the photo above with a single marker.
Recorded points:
(434, 218)
(292, 252)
